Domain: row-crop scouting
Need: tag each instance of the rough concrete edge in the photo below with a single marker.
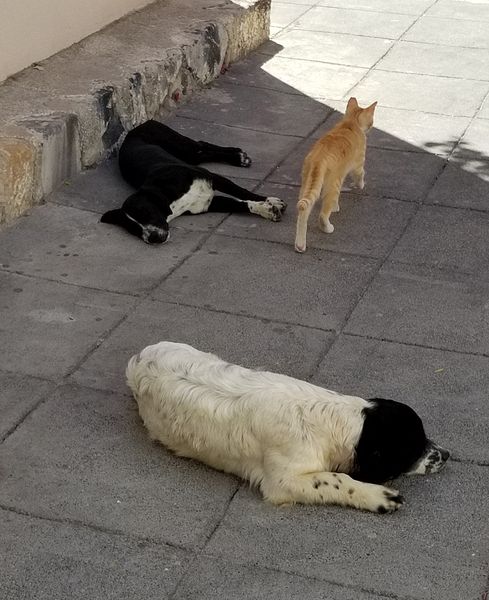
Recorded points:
(40, 151)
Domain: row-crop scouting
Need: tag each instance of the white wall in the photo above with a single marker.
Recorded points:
(31, 30)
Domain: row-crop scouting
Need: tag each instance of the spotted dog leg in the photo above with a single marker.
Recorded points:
(330, 488)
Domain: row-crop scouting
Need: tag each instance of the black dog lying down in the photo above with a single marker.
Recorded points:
(160, 164)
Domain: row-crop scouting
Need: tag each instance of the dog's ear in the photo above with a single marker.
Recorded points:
(114, 217)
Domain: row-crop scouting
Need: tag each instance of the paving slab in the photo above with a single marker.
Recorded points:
(294, 76)
(19, 394)
(392, 174)
(337, 48)
(462, 184)
(94, 463)
(460, 9)
(447, 389)
(70, 245)
(450, 32)
(218, 578)
(355, 22)
(364, 226)
(474, 144)
(54, 561)
(48, 326)
(424, 93)
(249, 342)
(228, 104)
(429, 550)
(265, 149)
(407, 7)
(412, 131)
(425, 307)
(317, 289)
(447, 238)
(283, 14)
(444, 61)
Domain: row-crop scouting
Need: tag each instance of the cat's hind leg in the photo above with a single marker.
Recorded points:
(330, 200)
(304, 207)
(312, 181)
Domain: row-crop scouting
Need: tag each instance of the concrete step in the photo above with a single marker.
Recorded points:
(70, 111)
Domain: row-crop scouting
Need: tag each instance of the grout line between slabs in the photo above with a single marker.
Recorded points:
(414, 344)
(372, 68)
(338, 584)
(210, 121)
(353, 9)
(99, 529)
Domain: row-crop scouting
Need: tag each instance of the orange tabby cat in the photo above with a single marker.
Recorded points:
(338, 153)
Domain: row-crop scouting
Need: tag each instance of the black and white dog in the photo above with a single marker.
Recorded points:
(296, 441)
(161, 164)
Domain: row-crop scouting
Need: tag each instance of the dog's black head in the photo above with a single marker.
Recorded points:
(142, 215)
(393, 442)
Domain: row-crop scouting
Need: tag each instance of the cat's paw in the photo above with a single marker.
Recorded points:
(325, 225)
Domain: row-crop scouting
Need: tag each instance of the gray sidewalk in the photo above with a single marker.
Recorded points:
(394, 303)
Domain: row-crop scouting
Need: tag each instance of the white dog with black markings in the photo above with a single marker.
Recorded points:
(297, 442)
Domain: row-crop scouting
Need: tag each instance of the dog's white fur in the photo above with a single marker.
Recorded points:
(287, 436)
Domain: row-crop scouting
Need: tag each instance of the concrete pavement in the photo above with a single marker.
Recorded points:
(394, 303)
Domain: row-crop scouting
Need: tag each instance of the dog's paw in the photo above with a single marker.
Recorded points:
(391, 502)
(244, 160)
(277, 207)
(380, 499)
(271, 208)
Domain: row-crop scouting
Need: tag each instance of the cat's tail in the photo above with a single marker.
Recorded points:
(312, 182)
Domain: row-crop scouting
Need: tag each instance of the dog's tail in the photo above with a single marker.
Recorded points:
(144, 368)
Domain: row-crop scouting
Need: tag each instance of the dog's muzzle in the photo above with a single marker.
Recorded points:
(155, 235)
(433, 459)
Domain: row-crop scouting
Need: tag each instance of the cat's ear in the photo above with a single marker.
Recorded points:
(371, 108)
(351, 106)
(366, 117)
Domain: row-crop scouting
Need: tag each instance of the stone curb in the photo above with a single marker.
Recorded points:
(70, 111)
